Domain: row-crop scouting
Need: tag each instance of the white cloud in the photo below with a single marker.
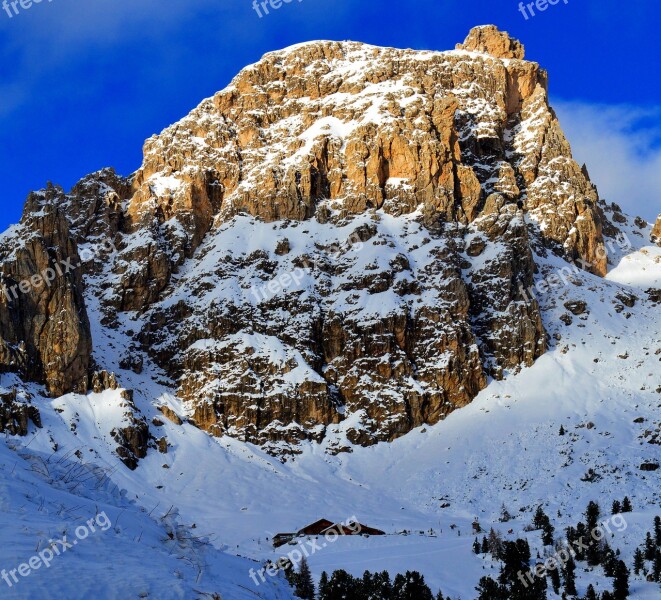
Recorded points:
(621, 146)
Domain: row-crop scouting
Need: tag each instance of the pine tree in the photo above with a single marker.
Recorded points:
(650, 547)
(440, 596)
(485, 545)
(516, 560)
(581, 535)
(495, 544)
(609, 561)
(547, 534)
(323, 586)
(562, 430)
(411, 586)
(591, 594)
(617, 507)
(489, 589)
(595, 553)
(638, 561)
(540, 518)
(382, 586)
(656, 567)
(368, 586)
(592, 515)
(626, 505)
(304, 583)
(342, 585)
(555, 580)
(477, 548)
(607, 596)
(505, 515)
(621, 581)
(569, 574)
(657, 530)
(290, 574)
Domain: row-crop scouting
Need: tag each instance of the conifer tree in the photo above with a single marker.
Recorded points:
(411, 586)
(617, 507)
(323, 586)
(304, 583)
(650, 547)
(581, 535)
(626, 505)
(638, 561)
(505, 515)
(382, 586)
(485, 545)
(621, 581)
(555, 580)
(569, 575)
(547, 534)
(495, 543)
(592, 515)
(591, 594)
(489, 589)
(342, 585)
(477, 548)
(656, 567)
(540, 518)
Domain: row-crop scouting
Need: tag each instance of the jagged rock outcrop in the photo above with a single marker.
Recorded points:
(488, 39)
(656, 232)
(340, 239)
(44, 327)
(15, 415)
(134, 436)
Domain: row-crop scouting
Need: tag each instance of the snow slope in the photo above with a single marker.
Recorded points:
(225, 499)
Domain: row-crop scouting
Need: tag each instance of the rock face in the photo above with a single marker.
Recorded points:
(134, 436)
(15, 416)
(338, 241)
(489, 40)
(44, 328)
(656, 232)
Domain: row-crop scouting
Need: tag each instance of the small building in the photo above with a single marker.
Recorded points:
(280, 539)
(323, 527)
(355, 529)
(316, 528)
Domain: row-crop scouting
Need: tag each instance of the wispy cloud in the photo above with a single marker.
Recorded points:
(621, 146)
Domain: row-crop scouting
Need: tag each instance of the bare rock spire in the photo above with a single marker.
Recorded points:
(488, 39)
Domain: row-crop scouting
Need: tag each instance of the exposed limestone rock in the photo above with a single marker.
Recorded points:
(132, 439)
(337, 242)
(102, 380)
(656, 232)
(490, 40)
(169, 414)
(398, 130)
(15, 416)
(44, 328)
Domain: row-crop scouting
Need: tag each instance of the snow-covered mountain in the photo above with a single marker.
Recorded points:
(358, 282)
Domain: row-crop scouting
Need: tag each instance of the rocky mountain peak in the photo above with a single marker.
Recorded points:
(488, 39)
(337, 244)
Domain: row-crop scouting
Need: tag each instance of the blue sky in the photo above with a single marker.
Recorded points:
(84, 82)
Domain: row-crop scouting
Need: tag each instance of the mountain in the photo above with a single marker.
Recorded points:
(304, 281)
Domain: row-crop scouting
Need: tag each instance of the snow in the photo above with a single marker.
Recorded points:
(503, 448)
(163, 184)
